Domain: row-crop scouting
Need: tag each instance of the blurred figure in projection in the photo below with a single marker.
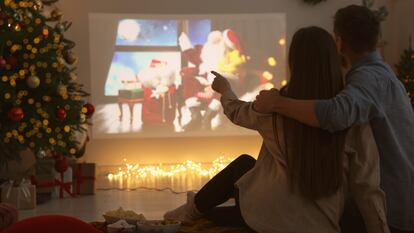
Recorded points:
(222, 51)
(158, 108)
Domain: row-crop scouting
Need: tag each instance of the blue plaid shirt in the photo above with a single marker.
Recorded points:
(374, 94)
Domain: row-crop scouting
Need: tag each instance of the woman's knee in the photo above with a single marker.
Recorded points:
(246, 160)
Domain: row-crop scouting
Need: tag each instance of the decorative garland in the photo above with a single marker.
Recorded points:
(313, 2)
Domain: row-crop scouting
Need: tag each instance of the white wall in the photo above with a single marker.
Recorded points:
(396, 32)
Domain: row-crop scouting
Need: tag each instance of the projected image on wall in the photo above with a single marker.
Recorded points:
(154, 79)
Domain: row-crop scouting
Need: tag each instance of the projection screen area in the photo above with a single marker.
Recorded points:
(151, 74)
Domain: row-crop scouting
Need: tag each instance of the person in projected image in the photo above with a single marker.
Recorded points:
(222, 51)
(303, 175)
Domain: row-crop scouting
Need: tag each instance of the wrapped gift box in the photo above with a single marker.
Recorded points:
(23, 197)
(64, 184)
(44, 183)
(84, 178)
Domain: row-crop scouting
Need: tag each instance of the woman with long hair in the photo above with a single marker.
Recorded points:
(302, 176)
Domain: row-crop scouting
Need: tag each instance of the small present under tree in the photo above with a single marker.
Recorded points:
(405, 70)
(41, 105)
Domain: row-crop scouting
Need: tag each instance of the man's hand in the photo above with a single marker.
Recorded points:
(220, 83)
(265, 101)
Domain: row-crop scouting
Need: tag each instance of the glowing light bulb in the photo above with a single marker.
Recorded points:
(267, 75)
(284, 82)
(272, 61)
(282, 41)
(129, 29)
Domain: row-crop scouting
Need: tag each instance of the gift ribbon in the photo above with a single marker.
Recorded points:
(63, 186)
(80, 179)
(48, 184)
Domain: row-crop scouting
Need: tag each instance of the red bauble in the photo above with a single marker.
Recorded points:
(90, 108)
(3, 15)
(61, 164)
(3, 62)
(11, 61)
(61, 113)
(15, 114)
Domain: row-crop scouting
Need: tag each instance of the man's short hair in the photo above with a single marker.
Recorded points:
(358, 27)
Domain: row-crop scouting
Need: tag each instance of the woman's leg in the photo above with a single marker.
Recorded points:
(217, 191)
(229, 215)
(222, 186)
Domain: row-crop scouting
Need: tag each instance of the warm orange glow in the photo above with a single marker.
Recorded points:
(284, 82)
(282, 41)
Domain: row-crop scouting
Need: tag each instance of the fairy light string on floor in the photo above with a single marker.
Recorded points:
(170, 170)
(176, 178)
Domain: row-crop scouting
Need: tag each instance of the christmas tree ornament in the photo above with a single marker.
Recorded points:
(33, 81)
(41, 154)
(61, 163)
(60, 27)
(82, 118)
(15, 114)
(71, 58)
(28, 14)
(3, 62)
(72, 76)
(57, 14)
(18, 15)
(3, 15)
(38, 5)
(90, 109)
(61, 113)
(62, 90)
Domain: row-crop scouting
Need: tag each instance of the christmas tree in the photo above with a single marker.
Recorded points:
(405, 70)
(42, 106)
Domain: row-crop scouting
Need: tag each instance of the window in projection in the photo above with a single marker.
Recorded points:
(152, 79)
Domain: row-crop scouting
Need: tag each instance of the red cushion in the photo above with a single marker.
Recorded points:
(51, 224)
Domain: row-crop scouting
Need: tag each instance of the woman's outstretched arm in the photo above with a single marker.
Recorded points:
(239, 112)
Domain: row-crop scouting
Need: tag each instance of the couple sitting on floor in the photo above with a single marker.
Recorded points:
(338, 152)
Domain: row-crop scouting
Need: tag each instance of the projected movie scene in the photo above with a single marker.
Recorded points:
(151, 75)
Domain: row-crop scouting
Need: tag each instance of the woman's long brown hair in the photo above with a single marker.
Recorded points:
(314, 156)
